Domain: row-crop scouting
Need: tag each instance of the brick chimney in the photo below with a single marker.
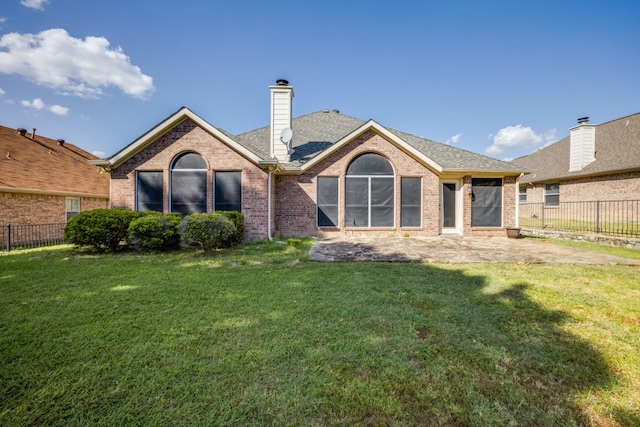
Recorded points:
(281, 99)
(582, 145)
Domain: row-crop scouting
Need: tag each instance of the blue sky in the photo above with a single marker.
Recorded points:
(501, 78)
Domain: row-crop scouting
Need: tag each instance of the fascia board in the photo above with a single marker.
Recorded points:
(372, 125)
(177, 118)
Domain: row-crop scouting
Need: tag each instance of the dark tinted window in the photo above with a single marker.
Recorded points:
(189, 184)
(149, 191)
(411, 208)
(228, 191)
(486, 205)
(327, 201)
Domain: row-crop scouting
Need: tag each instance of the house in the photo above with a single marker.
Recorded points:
(320, 174)
(594, 163)
(46, 181)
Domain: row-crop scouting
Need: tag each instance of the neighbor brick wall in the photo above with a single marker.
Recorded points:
(188, 136)
(24, 208)
(624, 186)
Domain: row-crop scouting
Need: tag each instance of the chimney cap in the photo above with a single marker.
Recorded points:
(282, 82)
(583, 120)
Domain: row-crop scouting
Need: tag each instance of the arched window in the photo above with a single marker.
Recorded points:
(188, 184)
(369, 192)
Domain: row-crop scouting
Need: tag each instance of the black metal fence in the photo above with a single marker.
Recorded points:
(30, 236)
(610, 217)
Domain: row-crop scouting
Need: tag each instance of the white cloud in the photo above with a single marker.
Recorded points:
(3, 19)
(2, 92)
(39, 104)
(513, 138)
(34, 4)
(100, 154)
(454, 139)
(72, 66)
(59, 110)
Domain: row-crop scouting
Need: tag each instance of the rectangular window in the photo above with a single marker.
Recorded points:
(486, 202)
(448, 205)
(522, 195)
(227, 191)
(552, 194)
(73, 207)
(149, 191)
(327, 201)
(411, 202)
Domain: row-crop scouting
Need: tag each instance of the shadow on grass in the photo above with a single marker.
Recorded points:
(277, 343)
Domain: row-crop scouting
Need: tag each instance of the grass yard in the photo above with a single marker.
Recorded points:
(260, 335)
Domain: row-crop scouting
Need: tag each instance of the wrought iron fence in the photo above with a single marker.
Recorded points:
(610, 217)
(30, 236)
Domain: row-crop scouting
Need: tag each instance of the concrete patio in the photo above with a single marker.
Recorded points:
(455, 249)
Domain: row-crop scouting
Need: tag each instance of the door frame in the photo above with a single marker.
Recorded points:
(457, 229)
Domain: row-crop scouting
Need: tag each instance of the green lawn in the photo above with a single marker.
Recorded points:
(260, 335)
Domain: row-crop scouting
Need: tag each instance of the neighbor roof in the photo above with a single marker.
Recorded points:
(44, 165)
(617, 150)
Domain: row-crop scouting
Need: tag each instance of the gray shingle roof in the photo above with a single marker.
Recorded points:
(617, 150)
(314, 132)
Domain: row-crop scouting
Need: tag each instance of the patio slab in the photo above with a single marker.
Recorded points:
(455, 249)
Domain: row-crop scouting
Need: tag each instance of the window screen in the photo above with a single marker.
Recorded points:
(486, 205)
(369, 192)
(149, 191)
(228, 191)
(189, 184)
(552, 194)
(327, 201)
(522, 195)
(410, 195)
(448, 205)
(73, 207)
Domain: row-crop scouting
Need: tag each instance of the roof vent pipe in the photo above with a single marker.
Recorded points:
(22, 131)
(61, 142)
(33, 134)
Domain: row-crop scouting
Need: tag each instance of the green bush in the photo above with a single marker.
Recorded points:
(103, 229)
(155, 231)
(208, 230)
(238, 221)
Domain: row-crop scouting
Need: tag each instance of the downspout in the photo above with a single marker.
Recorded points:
(269, 204)
(518, 200)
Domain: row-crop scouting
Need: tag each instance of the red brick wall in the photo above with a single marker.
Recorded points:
(184, 137)
(296, 195)
(22, 209)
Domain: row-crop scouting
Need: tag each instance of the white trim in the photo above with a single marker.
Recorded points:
(457, 229)
(372, 125)
(159, 130)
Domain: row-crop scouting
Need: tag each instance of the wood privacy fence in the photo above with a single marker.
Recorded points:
(30, 236)
(610, 217)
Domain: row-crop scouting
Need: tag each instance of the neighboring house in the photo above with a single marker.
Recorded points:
(321, 174)
(46, 181)
(594, 163)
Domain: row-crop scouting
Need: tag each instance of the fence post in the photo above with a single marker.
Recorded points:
(598, 216)
(542, 217)
(8, 237)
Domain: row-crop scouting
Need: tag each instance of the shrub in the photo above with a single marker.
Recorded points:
(155, 231)
(209, 230)
(103, 229)
(238, 221)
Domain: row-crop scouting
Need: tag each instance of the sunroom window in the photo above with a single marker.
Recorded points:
(188, 184)
(369, 192)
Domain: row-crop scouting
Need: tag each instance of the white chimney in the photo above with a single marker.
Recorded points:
(582, 145)
(281, 97)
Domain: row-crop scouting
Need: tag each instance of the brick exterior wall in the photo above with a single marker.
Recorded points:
(25, 209)
(188, 137)
(624, 186)
(293, 198)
